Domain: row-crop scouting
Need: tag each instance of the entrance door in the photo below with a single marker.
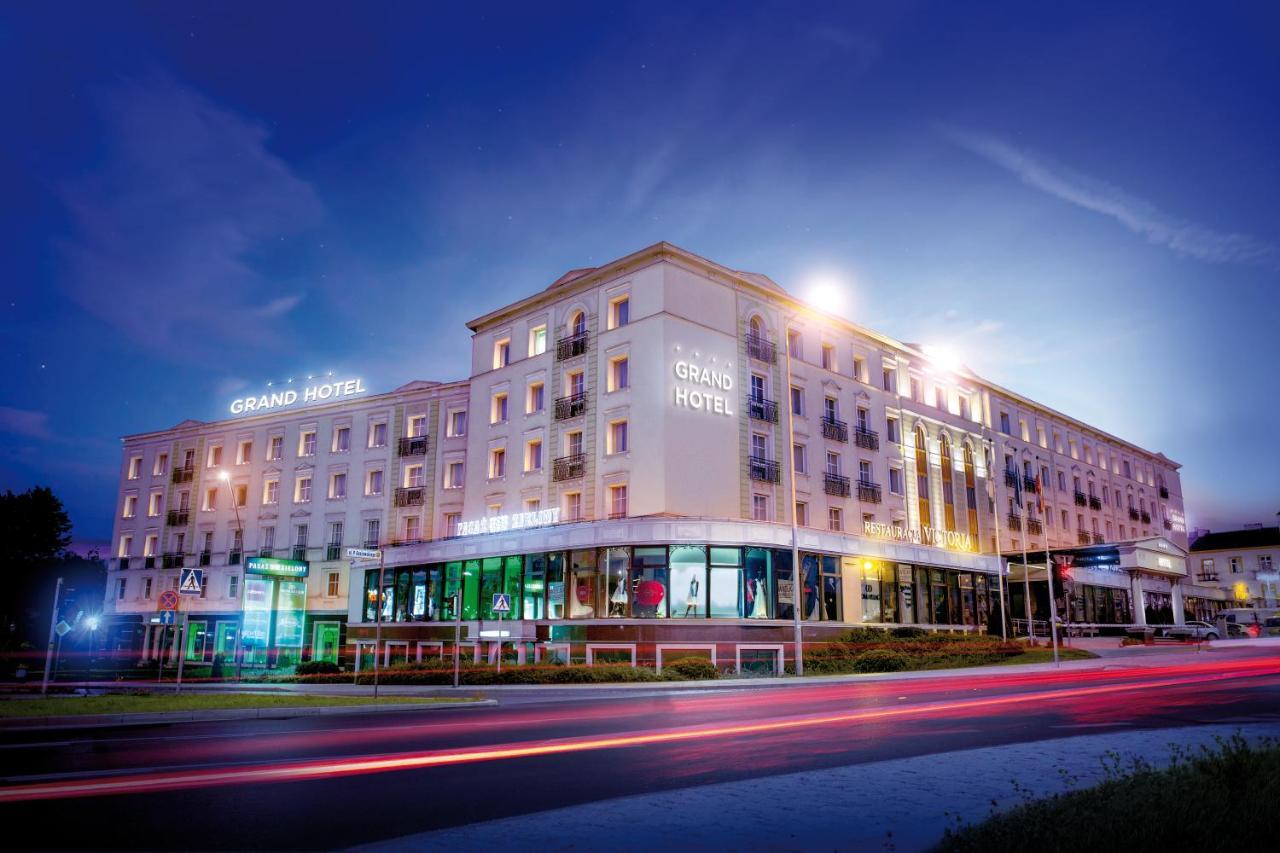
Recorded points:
(324, 644)
(224, 642)
(197, 640)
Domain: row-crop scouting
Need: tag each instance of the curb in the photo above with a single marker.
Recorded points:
(87, 721)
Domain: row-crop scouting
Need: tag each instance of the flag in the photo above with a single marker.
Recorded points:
(1039, 495)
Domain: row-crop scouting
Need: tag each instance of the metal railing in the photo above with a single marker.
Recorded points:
(416, 446)
(300, 552)
(1164, 491)
(1095, 502)
(1010, 478)
(410, 496)
(836, 485)
(571, 406)
(571, 345)
(569, 467)
(1028, 483)
(866, 438)
(177, 517)
(183, 475)
(761, 409)
(1083, 537)
(1133, 514)
(834, 429)
(1146, 517)
(1034, 526)
(1014, 521)
(761, 349)
(1081, 499)
(763, 470)
(869, 492)
(332, 551)
(1098, 539)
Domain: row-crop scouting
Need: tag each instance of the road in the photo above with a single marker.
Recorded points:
(324, 782)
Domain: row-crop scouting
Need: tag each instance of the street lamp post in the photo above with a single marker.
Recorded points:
(797, 592)
(226, 478)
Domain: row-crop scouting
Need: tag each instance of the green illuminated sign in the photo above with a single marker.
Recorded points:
(276, 567)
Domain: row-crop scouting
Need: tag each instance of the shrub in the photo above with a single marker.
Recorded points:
(906, 632)
(316, 667)
(691, 669)
(881, 660)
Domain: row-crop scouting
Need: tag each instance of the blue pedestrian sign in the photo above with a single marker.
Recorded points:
(501, 602)
(192, 582)
(166, 617)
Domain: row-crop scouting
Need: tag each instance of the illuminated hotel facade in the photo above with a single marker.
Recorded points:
(620, 463)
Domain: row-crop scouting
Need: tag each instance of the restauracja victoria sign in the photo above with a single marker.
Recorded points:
(919, 536)
(317, 393)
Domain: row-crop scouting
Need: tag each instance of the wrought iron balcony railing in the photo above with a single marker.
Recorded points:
(572, 406)
(410, 496)
(836, 485)
(569, 467)
(416, 446)
(761, 349)
(835, 430)
(866, 439)
(571, 345)
(761, 409)
(763, 470)
(869, 492)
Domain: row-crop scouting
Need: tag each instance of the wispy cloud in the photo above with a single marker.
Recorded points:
(24, 422)
(1180, 235)
(165, 221)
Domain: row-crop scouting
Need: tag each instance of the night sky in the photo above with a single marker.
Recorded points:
(196, 199)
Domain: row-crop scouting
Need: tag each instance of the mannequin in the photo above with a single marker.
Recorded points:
(759, 608)
(618, 600)
(691, 604)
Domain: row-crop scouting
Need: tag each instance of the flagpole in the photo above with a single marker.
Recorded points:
(1000, 563)
(1048, 570)
(1026, 570)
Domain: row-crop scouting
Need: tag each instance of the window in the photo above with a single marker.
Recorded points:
(617, 437)
(1127, 472)
(210, 500)
(573, 506)
(378, 434)
(412, 476)
(536, 400)
(338, 486)
(307, 443)
(760, 507)
(922, 476)
(497, 463)
(864, 471)
(795, 344)
(889, 378)
(240, 495)
(1022, 429)
(271, 491)
(573, 443)
(797, 401)
(828, 357)
(372, 532)
(162, 465)
(302, 490)
(835, 518)
(301, 534)
(498, 408)
(146, 588)
(859, 369)
(126, 545)
(417, 426)
(214, 459)
(917, 393)
(149, 545)
(1234, 564)
(833, 464)
(268, 538)
(333, 584)
(451, 521)
(453, 477)
(412, 528)
(501, 353)
(130, 506)
(863, 419)
(619, 312)
(135, 467)
(336, 529)
(830, 409)
(575, 383)
(759, 446)
(373, 482)
(121, 584)
(802, 513)
(457, 423)
(618, 374)
(1264, 562)
(1062, 481)
(342, 439)
(895, 481)
(533, 455)
(799, 459)
(244, 452)
(538, 340)
(275, 448)
(970, 490)
(891, 430)
(618, 501)
(1004, 423)
(578, 323)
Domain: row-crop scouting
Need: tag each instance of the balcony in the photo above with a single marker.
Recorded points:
(760, 409)
(836, 485)
(572, 406)
(866, 438)
(171, 560)
(1081, 499)
(177, 518)
(1098, 539)
(410, 496)
(416, 446)
(1133, 514)
(1014, 521)
(1164, 491)
(300, 553)
(183, 475)
(1034, 527)
(614, 516)
(835, 430)
(1146, 517)
(571, 346)
(1028, 483)
(569, 467)
(206, 557)
(1010, 478)
(761, 349)
(869, 492)
(1083, 537)
(123, 563)
(1207, 578)
(148, 562)
(266, 552)
(1095, 502)
(332, 552)
(763, 470)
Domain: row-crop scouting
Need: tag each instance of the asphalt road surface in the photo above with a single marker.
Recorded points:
(334, 781)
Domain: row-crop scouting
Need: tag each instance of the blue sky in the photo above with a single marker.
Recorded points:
(199, 198)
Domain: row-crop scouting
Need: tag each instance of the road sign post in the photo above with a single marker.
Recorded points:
(354, 554)
(168, 606)
(501, 605)
(182, 648)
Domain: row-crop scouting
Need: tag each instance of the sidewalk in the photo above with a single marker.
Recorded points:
(904, 804)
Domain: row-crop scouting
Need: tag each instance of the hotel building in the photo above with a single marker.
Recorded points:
(620, 463)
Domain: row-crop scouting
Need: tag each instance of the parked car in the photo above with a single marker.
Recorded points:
(1236, 629)
(1193, 631)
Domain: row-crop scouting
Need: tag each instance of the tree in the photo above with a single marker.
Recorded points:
(34, 529)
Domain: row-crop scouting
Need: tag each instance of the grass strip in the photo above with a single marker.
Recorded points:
(157, 702)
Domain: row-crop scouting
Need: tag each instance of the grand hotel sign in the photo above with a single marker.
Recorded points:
(923, 535)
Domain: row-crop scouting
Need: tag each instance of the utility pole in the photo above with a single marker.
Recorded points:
(53, 624)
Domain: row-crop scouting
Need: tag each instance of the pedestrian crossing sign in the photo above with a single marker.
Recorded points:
(501, 602)
(192, 581)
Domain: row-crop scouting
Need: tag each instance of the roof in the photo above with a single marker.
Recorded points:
(1230, 540)
(571, 275)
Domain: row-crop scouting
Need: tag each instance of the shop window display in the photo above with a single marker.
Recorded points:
(470, 590)
(615, 587)
(784, 585)
(809, 592)
(688, 581)
(727, 592)
(757, 583)
(555, 585)
(649, 583)
(583, 583)
(832, 584)
(535, 586)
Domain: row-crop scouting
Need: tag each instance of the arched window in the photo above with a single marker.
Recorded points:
(756, 328)
(948, 498)
(577, 322)
(970, 491)
(922, 476)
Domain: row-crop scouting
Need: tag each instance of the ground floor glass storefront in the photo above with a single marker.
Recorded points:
(680, 582)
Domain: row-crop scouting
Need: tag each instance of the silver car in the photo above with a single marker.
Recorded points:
(1193, 631)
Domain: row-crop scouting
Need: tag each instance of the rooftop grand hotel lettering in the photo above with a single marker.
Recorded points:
(702, 377)
(311, 394)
